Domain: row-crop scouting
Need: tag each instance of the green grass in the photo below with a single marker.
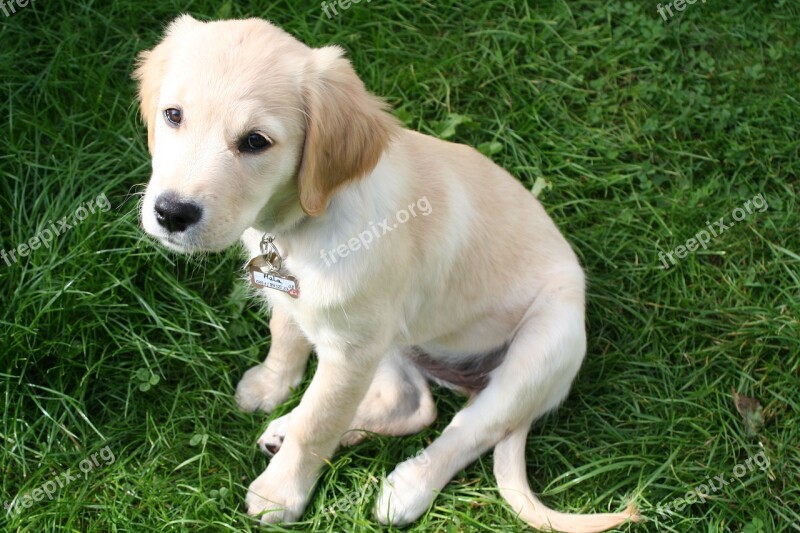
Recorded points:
(636, 130)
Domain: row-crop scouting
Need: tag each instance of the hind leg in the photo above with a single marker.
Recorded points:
(541, 362)
(398, 402)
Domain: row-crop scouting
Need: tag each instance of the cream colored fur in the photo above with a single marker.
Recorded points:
(485, 267)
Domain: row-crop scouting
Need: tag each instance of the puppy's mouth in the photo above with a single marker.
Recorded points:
(176, 244)
(194, 240)
(184, 244)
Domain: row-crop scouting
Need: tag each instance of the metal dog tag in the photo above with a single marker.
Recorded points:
(266, 270)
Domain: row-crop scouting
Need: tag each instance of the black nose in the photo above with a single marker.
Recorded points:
(174, 214)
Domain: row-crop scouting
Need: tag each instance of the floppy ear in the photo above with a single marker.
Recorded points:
(151, 65)
(347, 129)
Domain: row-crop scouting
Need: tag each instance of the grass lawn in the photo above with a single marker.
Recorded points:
(637, 134)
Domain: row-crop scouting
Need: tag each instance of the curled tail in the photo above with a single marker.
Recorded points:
(509, 469)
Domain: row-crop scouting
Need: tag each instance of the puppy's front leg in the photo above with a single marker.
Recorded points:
(316, 426)
(265, 386)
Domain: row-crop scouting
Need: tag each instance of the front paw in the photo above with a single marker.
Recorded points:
(272, 439)
(261, 389)
(274, 500)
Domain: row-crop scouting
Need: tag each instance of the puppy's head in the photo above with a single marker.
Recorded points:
(248, 127)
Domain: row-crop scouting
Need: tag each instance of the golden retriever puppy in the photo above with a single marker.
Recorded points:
(400, 259)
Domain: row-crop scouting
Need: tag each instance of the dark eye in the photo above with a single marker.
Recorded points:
(254, 143)
(173, 116)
